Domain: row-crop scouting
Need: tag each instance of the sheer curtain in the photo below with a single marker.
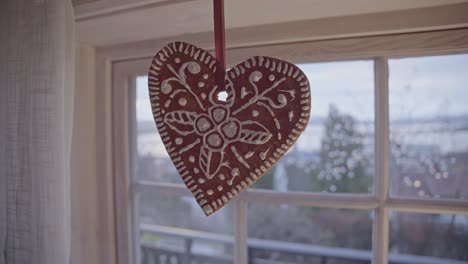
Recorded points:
(36, 92)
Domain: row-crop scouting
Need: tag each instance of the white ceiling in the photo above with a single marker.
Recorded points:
(106, 22)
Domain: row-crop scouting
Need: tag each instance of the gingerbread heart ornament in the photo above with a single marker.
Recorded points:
(220, 147)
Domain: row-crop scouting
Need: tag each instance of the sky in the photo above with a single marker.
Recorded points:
(419, 87)
(428, 86)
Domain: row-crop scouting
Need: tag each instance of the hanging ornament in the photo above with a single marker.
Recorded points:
(224, 130)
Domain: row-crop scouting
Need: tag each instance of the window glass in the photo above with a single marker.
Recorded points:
(152, 161)
(443, 238)
(183, 212)
(336, 151)
(428, 99)
(298, 234)
(174, 227)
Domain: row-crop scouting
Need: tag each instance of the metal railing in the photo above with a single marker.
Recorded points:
(157, 253)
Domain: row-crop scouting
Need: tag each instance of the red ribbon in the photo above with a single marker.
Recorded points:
(220, 42)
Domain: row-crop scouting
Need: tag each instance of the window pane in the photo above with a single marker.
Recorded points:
(297, 234)
(336, 151)
(443, 238)
(183, 212)
(429, 126)
(174, 227)
(152, 161)
(161, 249)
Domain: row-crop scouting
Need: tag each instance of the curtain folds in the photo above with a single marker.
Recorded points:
(36, 97)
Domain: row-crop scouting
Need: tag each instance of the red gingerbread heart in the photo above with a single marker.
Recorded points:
(221, 147)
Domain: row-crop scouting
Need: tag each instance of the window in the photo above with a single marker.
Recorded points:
(379, 175)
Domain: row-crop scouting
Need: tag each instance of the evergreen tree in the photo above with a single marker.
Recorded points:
(342, 165)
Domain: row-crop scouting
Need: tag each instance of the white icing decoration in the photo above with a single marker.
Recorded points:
(166, 87)
(249, 154)
(262, 155)
(214, 140)
(291, 115)
(221, 127)
(182, 101)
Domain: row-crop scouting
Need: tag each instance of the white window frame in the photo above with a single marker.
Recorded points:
(377, 48)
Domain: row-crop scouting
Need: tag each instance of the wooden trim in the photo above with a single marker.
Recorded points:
(133, 198)
(162, 188)
(121, 106)
(104, 161)
(380, 237)
(336, 200)
(101, 9)
(428, 206)
(240, 232)
(414, 44)
(441, 17)
(398, 45)
(349, 201)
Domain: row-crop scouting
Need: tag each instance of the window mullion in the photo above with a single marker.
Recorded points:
(382, 177)
(134, 195)
(240, 231)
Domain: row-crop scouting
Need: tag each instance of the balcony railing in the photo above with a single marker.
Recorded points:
(158, 253)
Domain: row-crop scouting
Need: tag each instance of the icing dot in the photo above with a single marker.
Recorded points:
(220, 188)
(178, 141)
(193, 67)
(205, 76)
(201, 180)
(271, 77)
(177, 60)
(221, 177)
(196, 170)
(255, 76)
(234, 172)
(203, 95)
(166, 88)
(255, 113)
(214, 140)
(209, 192)
(182, 101)
(201, 84)
(282, 99)
(191, 158)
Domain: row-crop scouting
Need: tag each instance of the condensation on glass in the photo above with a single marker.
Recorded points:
(173, 227)
(442, 237)
(336, 151)
(428, 99)
(299, 234)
